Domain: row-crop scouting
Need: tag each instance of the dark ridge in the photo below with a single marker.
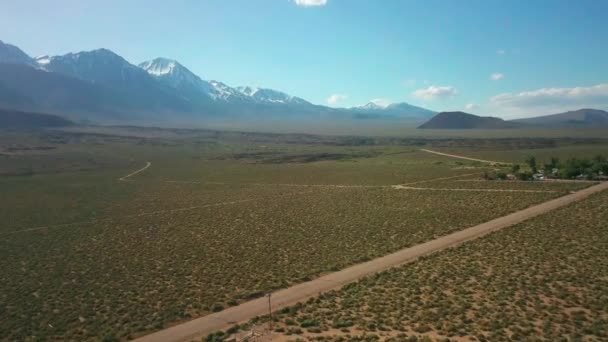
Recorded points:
(23, 120)
(461, 120)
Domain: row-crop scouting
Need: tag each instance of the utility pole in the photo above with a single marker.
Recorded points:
(269, 314)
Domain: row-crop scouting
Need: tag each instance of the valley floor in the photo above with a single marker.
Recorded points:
(204, 221)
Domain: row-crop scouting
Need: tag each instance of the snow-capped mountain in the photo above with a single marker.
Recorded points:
(180, 78)
(369, 106)
(12, 54)
(98, 66)
(99, 83)
(227, 93)
(399, 110)
(104, 67)
(271, 96)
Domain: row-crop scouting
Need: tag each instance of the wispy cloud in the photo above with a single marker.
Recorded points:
(310, 3)
(435, 92)
(584, 96)
(497, 76)
(471, 106)
(335, 99)
(500, 52)
(550, 100)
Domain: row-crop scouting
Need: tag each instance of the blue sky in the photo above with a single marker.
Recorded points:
(505, 58)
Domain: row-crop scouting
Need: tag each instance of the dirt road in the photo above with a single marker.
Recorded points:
(135, 172)
(491, 162)
(405, 187)
(298, 293)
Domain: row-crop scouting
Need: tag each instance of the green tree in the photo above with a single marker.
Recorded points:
(531, 161)
(515, 168)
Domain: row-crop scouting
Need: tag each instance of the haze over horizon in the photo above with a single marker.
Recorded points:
(518, 59)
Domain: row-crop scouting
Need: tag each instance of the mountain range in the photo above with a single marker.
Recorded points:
(101, 86)
(577, 118)
(582, 118)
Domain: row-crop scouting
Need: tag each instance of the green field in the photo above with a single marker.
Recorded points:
(217, 219)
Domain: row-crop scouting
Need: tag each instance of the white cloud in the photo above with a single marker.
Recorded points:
(497, 76)
(550, 100)
(381, 102)
(435, 92)
(471, 106)
(335, 99)
(584, 96)
(500, 52)
(310, 3)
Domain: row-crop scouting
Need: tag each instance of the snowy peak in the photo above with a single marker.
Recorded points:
(175, 75)
(43, 60)
(270, 96)
(227, 93)
(161, 66)
(370, 106)
(249, 91)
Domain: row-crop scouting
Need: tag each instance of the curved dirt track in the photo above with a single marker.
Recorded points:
(298, 293)
(491, 162)
(135, 172)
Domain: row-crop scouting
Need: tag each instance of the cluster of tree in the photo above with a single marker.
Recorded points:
(588, 168)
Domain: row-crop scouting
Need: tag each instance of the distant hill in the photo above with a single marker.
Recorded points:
(577, 118)
(461, 120)
(400, 111)
(13, 55)
(28, 89)
(16, 119)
